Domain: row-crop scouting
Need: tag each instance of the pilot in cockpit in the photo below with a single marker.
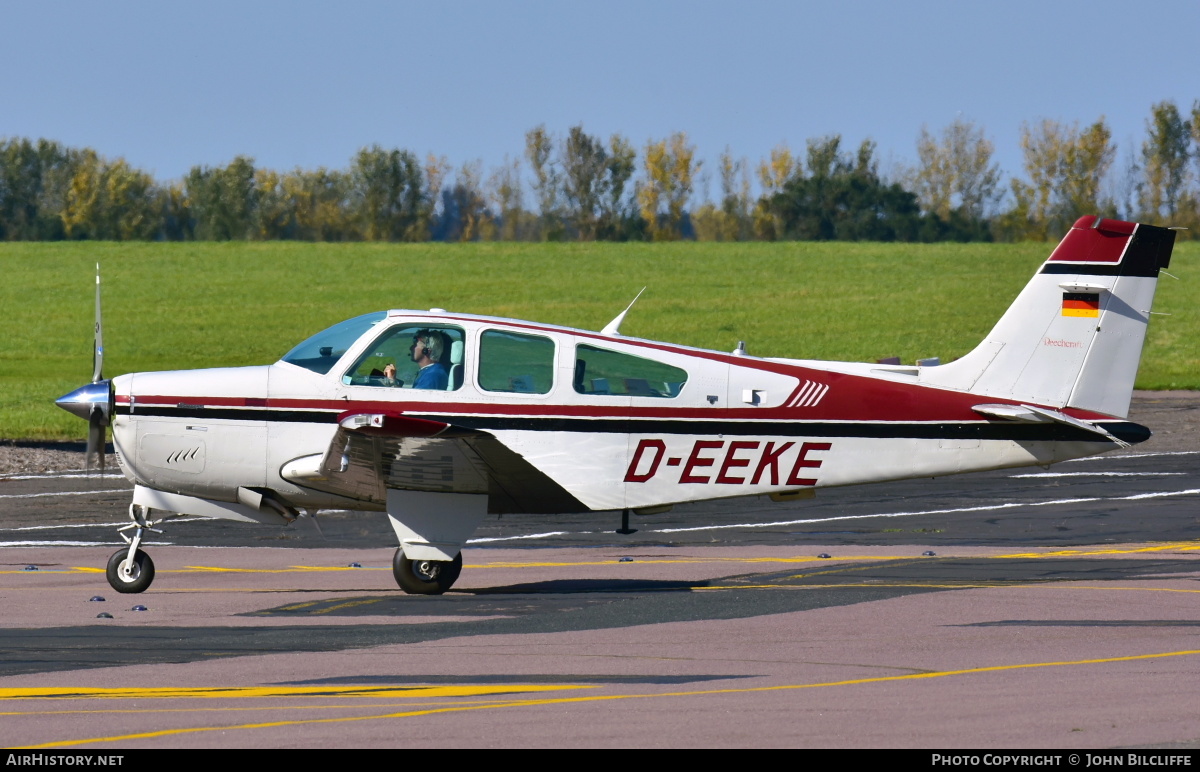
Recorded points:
(426, 351)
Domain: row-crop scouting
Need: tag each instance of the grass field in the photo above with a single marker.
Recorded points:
(176, 306)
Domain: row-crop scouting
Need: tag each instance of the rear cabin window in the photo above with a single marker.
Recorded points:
(515, 362)
(600, 371)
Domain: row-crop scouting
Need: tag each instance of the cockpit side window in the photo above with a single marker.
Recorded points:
(516, 362)
(412, 357)
(600, 371)
(322, 351)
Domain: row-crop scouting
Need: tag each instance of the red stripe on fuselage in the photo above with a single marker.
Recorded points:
(866, 403)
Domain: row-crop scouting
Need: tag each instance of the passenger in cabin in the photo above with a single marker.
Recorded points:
(427, 349)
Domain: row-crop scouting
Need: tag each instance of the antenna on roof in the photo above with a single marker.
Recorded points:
(612, 327)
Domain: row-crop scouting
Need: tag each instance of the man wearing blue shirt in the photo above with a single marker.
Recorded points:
(426, 350)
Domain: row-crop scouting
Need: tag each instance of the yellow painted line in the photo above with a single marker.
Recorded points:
(348, 604)
(185, 590)
(289, 570)
(1054, 584)
(567, 564)
(839, 562)
(275, 707)
(942, 586)
(674, 561)
(222, 569)
(57, 571)
(840, 569)
(337, 568)
(255, 692)
(611, 697)
(202, 570)
(298, 606)
(1127, 589)
(1182, 546)
(497, 564)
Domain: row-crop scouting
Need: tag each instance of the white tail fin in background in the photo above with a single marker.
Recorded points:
(1074, 335)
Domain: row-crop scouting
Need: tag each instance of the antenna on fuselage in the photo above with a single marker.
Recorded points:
(613, 327)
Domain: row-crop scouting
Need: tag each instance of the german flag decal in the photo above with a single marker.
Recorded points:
(1081, 304)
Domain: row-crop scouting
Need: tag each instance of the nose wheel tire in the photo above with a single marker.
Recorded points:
(425, 577)
(137, 578)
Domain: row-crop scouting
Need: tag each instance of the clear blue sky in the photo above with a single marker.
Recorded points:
(169, 85)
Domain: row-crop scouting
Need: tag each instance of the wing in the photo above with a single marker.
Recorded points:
(372, 452)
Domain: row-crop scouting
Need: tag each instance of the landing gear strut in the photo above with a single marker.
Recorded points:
(425, 577)
(131, 570)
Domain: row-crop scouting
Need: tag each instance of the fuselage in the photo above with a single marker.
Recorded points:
(614, 422)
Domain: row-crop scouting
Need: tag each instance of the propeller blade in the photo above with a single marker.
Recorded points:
(98, 348)
(96, 438)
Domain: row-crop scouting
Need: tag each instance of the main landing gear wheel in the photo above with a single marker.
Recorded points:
(425, 577)
(138, 576)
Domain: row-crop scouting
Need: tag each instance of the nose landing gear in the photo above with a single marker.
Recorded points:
(131, 570)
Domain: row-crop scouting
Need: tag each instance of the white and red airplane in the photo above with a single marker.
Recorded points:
(440, 418)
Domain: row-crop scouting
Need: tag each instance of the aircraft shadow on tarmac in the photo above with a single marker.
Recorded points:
(575, 586)
(896, 576)
(537, 608)
(550, 596)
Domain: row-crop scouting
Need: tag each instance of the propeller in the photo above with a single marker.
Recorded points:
(99, 416)
(98, 348)
(94, 401)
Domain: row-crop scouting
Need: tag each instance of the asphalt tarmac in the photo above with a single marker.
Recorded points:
(1058, 609)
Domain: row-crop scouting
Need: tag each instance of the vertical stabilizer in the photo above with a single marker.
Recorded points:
(1074, 335)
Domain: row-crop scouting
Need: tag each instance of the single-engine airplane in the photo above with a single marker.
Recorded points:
(442, 418)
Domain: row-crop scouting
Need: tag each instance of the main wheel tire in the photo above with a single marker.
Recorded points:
(139, 577)
(425, 577)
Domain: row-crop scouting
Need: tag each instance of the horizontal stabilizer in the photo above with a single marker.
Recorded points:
(1022, 413)
(1040, 415)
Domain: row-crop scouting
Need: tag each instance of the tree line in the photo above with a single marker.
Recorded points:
(581, 187)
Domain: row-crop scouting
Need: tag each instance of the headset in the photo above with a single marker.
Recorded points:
(434, 342)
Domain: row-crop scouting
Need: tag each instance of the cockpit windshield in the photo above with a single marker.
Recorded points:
(322, 351)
